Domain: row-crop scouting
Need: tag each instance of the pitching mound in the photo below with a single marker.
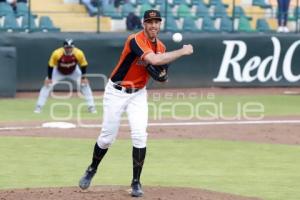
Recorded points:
(116, 193)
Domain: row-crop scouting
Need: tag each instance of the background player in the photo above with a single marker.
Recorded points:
(67, 62)
(126, 91)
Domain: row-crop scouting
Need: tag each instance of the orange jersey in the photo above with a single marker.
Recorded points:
(66, 64)
(130, 71)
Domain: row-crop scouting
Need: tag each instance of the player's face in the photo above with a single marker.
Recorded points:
(151, 28)
(68, 50)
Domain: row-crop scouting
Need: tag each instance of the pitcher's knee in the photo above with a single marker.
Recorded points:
(139, 141)
(104, 142)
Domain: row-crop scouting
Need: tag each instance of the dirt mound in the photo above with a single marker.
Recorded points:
(116, 193)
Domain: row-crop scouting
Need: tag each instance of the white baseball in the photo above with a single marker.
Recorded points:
(177, 37)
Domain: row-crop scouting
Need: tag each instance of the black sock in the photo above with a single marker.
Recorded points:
(97, 156)
(138, 157)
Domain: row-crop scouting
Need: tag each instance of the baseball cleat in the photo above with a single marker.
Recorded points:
(136, 189)
(38, 109)
(85, 181)
(92, 109)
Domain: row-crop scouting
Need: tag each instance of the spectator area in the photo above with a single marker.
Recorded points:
(205, 15)
(178, 16)
(71, 17)
(22, 20)
(49, 16)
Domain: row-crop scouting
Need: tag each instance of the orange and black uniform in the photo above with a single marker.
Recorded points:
(130, 71)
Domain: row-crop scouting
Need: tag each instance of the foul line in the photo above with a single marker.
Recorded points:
(260, 122)
(209, 123)
(15, 128)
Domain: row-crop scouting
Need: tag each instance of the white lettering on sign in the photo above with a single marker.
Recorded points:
(256, 68)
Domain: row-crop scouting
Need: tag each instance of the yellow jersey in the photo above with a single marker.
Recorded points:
(66, 64)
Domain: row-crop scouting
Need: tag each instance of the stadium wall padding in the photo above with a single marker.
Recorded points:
(8, 78)
(219, 59)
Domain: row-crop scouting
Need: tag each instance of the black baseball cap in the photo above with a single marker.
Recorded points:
(68, 43)
(152, 14)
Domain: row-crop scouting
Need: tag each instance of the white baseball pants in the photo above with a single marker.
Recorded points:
(56, 77)
(115, 102)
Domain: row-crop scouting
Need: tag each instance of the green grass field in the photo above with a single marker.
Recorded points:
(263, 170)
(268, 171)
(227, 105)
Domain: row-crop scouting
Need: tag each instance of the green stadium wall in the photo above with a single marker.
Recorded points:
(219, 60)
(8, 75)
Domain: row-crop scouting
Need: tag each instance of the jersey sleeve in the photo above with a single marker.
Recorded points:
(139, 47)
(161, 47)
(81, 58)
(53, 59)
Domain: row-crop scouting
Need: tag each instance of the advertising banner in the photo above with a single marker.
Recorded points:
(219, 59)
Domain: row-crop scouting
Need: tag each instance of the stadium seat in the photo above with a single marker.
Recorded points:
(46, 25)
(126, 9)
(262, 26)
(178, 2)
(189, 25)
(296, 13)
(261, 3)
(220, 11)
(6, 9)
(166, 10)
(10, 24)
(239, 12)
(22, 9)
(144, 7)
(197, 2)
(28, 24)
(208, 25)
(226, 25)
(217, 3)
(110, 11)
(244, 25)
(183, 11)
(171, 25)
(202, 10)
(159, 2)
(141, 2)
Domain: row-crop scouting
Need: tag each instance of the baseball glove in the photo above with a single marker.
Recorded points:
(158, 72)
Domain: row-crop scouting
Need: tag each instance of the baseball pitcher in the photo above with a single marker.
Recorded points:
(142, 55)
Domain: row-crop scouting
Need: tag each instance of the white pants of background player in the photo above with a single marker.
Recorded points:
(115, 102)
(56, 77)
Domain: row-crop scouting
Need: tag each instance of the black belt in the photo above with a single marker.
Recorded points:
(127, 90)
